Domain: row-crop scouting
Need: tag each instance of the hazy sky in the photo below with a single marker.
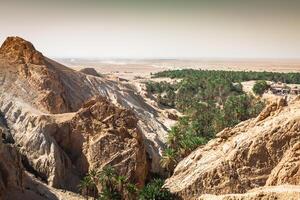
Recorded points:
(156, 29)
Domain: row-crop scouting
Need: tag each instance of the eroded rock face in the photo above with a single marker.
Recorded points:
(17, 50)
(62, 148)
(17, 184)
(288, 169)
(258, 152)
(60, 132)
(11, 170)
(102, 134)
(47, 87)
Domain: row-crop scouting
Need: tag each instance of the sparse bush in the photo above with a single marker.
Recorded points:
(260, 87)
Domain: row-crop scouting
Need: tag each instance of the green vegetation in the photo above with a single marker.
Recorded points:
(165, 91)
(116, 187)
(234, 76)
(210, 102)
(155, 191)
(260, 87)
(84, 186)
(168, 160)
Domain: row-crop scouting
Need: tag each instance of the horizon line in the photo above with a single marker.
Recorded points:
(179, 58)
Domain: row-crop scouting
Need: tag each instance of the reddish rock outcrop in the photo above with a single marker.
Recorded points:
(20, 51)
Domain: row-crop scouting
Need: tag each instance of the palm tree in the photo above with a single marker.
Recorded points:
(84, 186)
(93, 175)
(107, 175)
(121, 180)
(131, 190)
(168, 160)
(107, 179)
(105, 194)
(183, 149)
(173, 137)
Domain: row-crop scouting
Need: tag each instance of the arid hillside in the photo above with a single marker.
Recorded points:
(58, 124)
(260, 152)
(46, 87)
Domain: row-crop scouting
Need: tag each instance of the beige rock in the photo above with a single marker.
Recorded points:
(283, 192)
(258, 152)
(17, 184)
(102, 134)
(272, 109)
(63, 148)
(288, 169)
(11, 170)
(47, 87)
(61, 133)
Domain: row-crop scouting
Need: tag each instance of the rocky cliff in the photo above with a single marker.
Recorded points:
(18, 184)
(60, 149)
(11, 170)
(41, 86)
(63, 123)
(255, 153)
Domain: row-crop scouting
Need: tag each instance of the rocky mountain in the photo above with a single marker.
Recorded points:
(47, 87)
(57, 124)
(61, 123)
(260, 152)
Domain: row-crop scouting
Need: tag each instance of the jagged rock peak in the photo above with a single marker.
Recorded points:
(18, 50)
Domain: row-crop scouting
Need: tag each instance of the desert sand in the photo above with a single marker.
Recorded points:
(130, 69)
